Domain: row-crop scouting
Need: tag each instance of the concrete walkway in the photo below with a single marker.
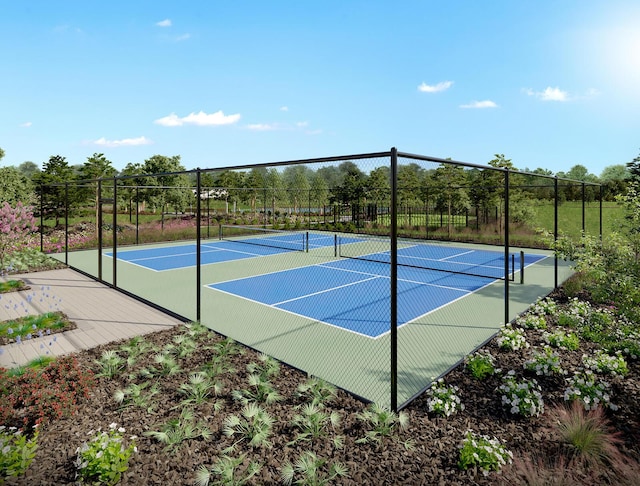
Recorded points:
(102, 315)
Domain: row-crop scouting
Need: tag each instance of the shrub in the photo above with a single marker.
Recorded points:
(480, 364)
(16, 452)
(604, 363)
(484, 453)
(532, 321)
(545, 363)
(443, 400)
(521, 397)
(583, 386)
(511, 339)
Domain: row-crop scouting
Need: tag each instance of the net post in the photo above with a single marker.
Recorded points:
(66, 223)
(306, 242)
(513, 267)
(220, 231)
(506, 246)
(521, 266)
(335, 245)
(99, 225)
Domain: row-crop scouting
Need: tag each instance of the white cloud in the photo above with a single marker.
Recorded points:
(201, 119)
(262, 127)
(480, 104)
(182, 37)
(549, 94)
(441, 86)
(26, 124)
(164, 23)
(284, 108)
(125, 142)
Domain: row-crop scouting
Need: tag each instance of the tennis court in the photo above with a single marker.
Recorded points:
(353, 294)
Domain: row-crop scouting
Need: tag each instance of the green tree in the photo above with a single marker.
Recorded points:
(255, 182)
(448, 185)
(28, 169)
(96, 167)
(275, 189)
(16, 187)
(379, 184)
(1, 153)
(319, 191)
(171, 186)
(55, 172)
(297, 182)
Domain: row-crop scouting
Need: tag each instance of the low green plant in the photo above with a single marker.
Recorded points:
(511, 339)
(521, 397)
(180, 429)
(484, 453)
(138, 395)
(312, 422)
(382, 422)
(32, 326)
(480, 364)
(585, 387)
(562, 340)
(12, 286)
(606, 364)
(35, 364)
(310, 469)
(183, 346)
(568, 319)
(134, 348)
(546, 306)
(443, 400)
(227, 471)
(199, 389)
(544, 363)
(105, 457)
(266, 369)
(255, 426)
(532, 321)
(16, 452)
(319, 391)
(110, 364)
(165, 365)
(260, 391)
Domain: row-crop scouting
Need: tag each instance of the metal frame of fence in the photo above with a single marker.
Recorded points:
(113, 184)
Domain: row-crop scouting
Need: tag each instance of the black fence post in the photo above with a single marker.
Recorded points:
(394, 279)
(555, 231)
(506, 247)
(66, 223)
(99, 230)
(198, 255)
(115, 232)
(583, 212)
(42, 218)
(601, 196)
(137, 213)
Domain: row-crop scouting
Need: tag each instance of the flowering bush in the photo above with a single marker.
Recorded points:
(522, 397)
(583, 386)
(484, 453)
(545, 363)
(546, 306)
(443, 400)
(15, 224)
(16, 452)
(511, 339)
(480, 364)
(532, 321)
(38, 395)
(105, 458)
(562, 340)
(604, 363)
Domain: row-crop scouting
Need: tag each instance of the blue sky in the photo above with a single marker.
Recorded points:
(549, 84)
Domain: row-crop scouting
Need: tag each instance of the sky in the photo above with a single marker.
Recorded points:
(550, 84)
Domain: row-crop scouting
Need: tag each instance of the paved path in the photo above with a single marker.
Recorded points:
(102, 315)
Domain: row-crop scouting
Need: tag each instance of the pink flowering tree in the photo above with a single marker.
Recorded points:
(15, 225)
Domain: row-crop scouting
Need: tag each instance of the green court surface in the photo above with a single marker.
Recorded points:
(428, 345)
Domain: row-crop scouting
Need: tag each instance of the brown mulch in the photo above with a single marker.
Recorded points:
(431, 461)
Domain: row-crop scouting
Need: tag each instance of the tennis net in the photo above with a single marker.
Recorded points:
(418, 254)
(251, 235)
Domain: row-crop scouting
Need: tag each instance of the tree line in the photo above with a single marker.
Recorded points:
(162, 182)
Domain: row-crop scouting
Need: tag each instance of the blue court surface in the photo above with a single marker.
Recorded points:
(354, 294)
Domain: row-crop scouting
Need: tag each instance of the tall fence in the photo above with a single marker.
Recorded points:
(375, 204)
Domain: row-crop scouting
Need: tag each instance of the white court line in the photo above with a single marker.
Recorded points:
(327, 290)
(456, 255)
(294, 313)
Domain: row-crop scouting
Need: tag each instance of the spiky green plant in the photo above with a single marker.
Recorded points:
(313, 422)
(178, 430)
(317, 390)
(134, 348)
(196, 330)
(266, 369)
(227, 347)
(110, 364)
(137, 396)
(311, 468)
(183, 346)
(166, 365)
(260, 390)
(381, 423)
(227, 471)
(199, 389)
(255, 425)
